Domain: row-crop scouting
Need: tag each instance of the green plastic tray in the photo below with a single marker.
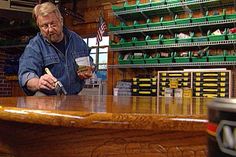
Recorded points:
(216, 37)
(122, 61)
(231, 36)
(185, 40)
(183, 21)
(215, 17)
(169, 41)
(230, 16)
(200, 19)
(218, 58)
(168, 23)
(200, 39)
(196, 59)
(166, 60)
(182, 59)
(230, 58)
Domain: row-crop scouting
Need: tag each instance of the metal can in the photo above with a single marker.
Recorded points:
(221, 128)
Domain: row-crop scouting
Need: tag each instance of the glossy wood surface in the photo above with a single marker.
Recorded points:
(74, 126)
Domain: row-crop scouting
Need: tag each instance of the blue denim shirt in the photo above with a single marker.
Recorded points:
(39, 54)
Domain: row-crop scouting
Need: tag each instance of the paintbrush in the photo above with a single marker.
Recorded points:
(59, 87)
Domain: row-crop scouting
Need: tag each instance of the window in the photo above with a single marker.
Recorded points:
(99, 53)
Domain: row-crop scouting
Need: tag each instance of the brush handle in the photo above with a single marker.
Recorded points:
(48, 71)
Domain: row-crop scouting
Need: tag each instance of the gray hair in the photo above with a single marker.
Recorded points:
(44, 9)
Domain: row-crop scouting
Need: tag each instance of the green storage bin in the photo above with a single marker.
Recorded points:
(143, 5)
(170, 41)
(167, 23)
(114, 45)
(200, 19)
(200, 39)
(217, 37)
(125, 43)
(151, 60)
(183, 59)
(169, 59)
(157, 3)
(183, 20)
(217, 17)
(138, 25)
(123, 60)
(153, 24)
(186, 40)
(136, 42)
(231, 36)
(154, 41)
(230, 16)
(125, 27)
(231, 57)
(113, 28)
(128, 6)
(216, 58)
(172, 1)
(200, 59)
(138, 59)
(117, 8)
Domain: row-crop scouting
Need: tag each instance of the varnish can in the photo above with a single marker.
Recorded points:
(221, 128)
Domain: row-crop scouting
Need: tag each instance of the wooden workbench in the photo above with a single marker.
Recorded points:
(94, 126)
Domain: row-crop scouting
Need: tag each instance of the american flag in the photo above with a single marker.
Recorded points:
(101, 29)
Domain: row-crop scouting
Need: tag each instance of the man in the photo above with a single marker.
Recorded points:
(55, 48)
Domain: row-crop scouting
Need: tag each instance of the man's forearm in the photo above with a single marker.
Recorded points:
(33, 84)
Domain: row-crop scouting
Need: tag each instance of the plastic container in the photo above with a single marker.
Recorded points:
(216, 58)
(136, 42)
(138, 25)
(168, 59)
(231, 36)
(153, 24)
(121, 59)
(151, 60)
(129, 7)
(170, 41)
(117, 8)
(124, 43)
(230, 16)
(217, 37)
(217, 17)
(138, 59)
(154, 41)
(172, 1)
(183, 20)
(157, 3)
(200, 59)
(113, 28)
(183, 59)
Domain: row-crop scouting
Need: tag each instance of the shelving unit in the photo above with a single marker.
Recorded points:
(133, 34)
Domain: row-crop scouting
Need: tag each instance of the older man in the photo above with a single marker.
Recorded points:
(55, 48)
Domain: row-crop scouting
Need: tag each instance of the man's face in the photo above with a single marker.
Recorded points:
(51, 27)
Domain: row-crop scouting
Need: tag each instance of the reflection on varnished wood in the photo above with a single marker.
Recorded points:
(30, 140)
(106, 126)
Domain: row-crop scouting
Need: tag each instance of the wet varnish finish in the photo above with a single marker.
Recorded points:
(94, 126)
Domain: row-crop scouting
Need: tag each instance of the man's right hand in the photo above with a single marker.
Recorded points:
(46, 81)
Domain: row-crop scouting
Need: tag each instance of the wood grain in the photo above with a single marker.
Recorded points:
(92, 126)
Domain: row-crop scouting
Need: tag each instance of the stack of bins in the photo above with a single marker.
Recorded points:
(184, 81)
(211, 84)
(144, 86)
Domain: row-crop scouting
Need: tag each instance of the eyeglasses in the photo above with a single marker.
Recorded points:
(52, 25)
